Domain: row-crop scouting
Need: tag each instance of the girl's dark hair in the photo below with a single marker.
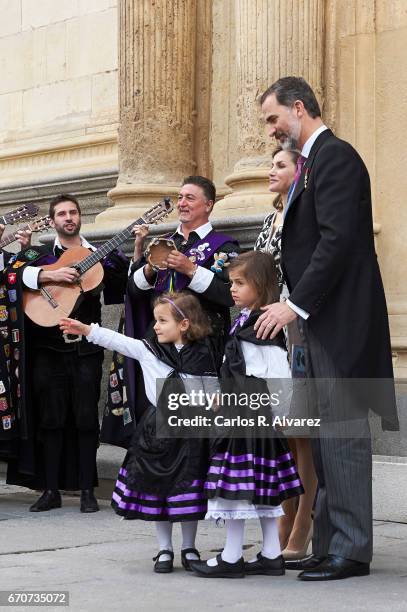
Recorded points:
(259, 270)
(294, 154)
(188, 304)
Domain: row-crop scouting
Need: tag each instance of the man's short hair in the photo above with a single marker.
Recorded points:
(289, 89)
(206, 185)
(63, 197)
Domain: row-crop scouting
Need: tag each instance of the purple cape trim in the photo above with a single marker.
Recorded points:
(214, 240)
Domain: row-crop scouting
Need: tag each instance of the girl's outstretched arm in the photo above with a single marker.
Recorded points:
(109, 339)
(71, 326)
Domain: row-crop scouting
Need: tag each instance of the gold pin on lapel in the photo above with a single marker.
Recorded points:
(306, 178)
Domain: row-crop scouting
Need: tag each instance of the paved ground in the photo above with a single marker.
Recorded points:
(105, 564)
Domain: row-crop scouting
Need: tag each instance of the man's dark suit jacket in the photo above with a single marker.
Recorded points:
(330, 265)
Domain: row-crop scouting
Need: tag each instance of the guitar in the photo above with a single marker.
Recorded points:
(26, 211)
(46, 306)
(36, 226)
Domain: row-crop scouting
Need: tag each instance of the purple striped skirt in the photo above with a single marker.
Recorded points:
(186, 505)
(260, 471)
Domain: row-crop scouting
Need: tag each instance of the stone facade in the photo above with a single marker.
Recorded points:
(58, 100)
(121, 98)
(83, 109)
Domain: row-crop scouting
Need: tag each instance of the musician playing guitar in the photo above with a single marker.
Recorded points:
(62, 373)
(8, 422)
(23, 237)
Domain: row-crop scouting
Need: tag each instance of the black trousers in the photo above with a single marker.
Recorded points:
(66, 391)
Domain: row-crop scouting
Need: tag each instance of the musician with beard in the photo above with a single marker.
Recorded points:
(59, 375)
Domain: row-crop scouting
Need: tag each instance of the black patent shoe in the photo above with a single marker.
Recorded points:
(310, 562)
(185, 561)
(48, 501)
(336, 568)
(164, 567)
(222, 570)
(265, 566)
(88, 501)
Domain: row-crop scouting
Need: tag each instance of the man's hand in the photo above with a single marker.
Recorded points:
(181, 263)
(273, 319)
(24, 238)
(62, 275)
(1, 229)
(140, 232)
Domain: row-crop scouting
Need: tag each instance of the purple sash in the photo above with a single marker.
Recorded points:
(202, 251)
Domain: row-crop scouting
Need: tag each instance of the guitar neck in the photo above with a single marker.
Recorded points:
(107, 247)
(12, 237)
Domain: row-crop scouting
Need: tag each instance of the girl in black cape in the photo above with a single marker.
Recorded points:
(250, 476)
(162, 479)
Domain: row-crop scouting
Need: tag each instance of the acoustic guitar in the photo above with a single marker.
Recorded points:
(26, 211)
(46, 306)
(38, 225)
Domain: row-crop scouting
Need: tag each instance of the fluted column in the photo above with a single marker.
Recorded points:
(274, 38)
(157, 40)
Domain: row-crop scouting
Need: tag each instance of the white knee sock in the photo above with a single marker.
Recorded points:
(188, 537)
(271, 543)
(234, 542)
(164, 537)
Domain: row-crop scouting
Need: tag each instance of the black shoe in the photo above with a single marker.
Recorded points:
(186, 562)
(88, 501)
(222, 570)
(267, 567)
(336, 568)
(164, 567)
(304, 564)
(48, 500)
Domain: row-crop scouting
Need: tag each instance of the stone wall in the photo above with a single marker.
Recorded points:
(58, 100)
(189, 73)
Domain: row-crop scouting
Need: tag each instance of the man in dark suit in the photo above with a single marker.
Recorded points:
(337, 298)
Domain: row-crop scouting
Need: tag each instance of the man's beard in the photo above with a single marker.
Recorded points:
(292, 137)
(68, 234)
(289, 143)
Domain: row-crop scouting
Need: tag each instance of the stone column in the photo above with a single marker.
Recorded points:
(274, 38)
(157, 41)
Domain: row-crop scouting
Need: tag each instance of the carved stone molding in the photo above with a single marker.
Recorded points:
(80, 154)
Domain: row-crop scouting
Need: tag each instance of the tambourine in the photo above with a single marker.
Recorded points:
(157, 252)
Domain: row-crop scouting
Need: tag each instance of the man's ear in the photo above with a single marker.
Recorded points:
(52, 223)
(210, 204)
(299, 108)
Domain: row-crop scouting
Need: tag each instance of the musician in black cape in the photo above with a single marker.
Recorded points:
(9, 422)
(56, 378)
